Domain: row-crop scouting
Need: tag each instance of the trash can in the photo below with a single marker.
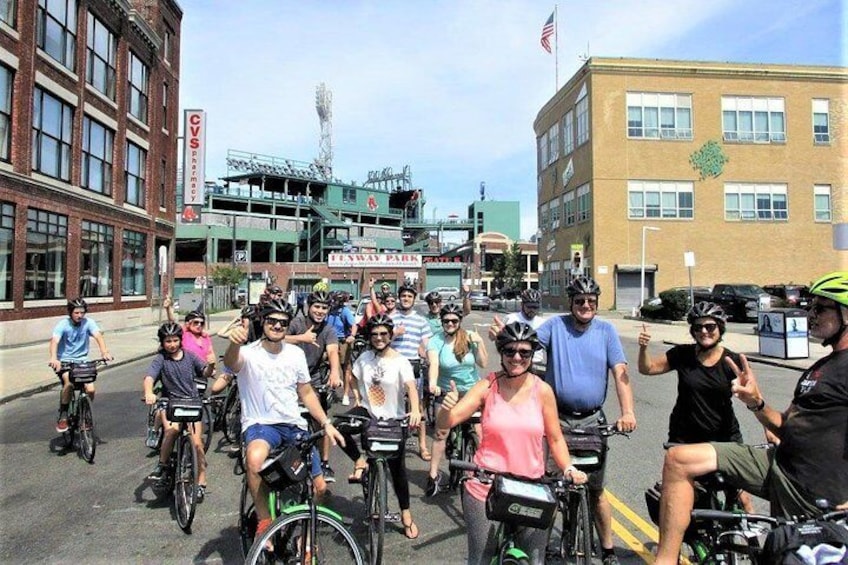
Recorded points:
(783, 333)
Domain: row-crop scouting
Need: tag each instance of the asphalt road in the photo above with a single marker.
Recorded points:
(55, 508)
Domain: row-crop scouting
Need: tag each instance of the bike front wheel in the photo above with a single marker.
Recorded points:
(580, 528)
(377, 506)
(232, 415)
(185, 482)
(206, 428)
(291, 542)
(85, 427)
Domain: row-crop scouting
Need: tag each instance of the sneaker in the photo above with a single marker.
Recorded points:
(62, 424)
(433, 485)
(329, 474)
(610, 559)
(199, 493)
(152, 438)
(160, 472)
(345, 400)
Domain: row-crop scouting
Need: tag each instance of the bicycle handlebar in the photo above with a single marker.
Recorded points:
(604, 430)
(726, 516)
(486, 476)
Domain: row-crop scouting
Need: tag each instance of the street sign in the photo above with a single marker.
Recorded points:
(241, 256)
(200, 282)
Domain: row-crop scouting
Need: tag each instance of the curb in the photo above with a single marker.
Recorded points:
(756, 358)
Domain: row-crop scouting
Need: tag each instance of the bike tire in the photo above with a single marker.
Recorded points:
(453, 446)
(232, 415)
(247, 519)
(581, 529)
(206, 424)
(85, 428)
(377, 506)
(334, 543)
(185, 481)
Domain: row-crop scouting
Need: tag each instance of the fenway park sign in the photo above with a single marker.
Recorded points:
(374, 260)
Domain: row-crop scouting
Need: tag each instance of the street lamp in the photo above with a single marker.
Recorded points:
(642, 279)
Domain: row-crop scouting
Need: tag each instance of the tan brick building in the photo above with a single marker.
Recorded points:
(746, 165)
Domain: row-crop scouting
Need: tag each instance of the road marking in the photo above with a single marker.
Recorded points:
(635, 545)
(646, 528)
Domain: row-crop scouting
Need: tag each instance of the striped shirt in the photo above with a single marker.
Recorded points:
(416, 331)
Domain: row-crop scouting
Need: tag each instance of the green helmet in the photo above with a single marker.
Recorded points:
(833, 286)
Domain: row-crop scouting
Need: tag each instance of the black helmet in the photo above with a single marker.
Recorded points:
(319, 297)
(387, 295)
(248, 311)
(169, 329)
(407, 288)
(75, 303)
(583, 285)
(194, 314)
(517, 331)
(531, 296)
(451, 308)
(707, 310)
(380, 320)
(433, 297)
(276, 306)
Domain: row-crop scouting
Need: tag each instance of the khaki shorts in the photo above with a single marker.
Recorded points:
(754, 470)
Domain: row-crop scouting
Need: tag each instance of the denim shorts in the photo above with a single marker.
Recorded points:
(277, 435)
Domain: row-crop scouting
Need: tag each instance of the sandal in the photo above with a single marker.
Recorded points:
(411, 530)
(425, 454)
(356, 477)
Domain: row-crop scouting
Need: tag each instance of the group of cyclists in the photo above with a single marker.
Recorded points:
(553, 376)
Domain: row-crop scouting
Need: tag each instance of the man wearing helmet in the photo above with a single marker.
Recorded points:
(809, 463)
(318, 341)
(531, 301)
(177, 370)
(581, 352)
(273, 376)
(434, 308)
(70, 342)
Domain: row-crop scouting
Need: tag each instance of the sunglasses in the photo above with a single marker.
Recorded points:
(710, 327)
(511, 352)
(589, 301)
(277, 322)
(196, 323)
(450, 321)
(379, 334)
(532, 305)
(817, 309)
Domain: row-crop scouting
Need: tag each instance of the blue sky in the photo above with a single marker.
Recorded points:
(450, 87)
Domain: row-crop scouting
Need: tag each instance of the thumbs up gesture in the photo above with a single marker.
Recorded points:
(451, 398)
(744, 386)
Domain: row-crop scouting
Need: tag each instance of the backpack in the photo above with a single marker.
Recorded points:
(783, 541)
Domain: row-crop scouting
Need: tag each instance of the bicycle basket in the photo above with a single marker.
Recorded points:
(384, 436)
(285, 469)
(521, 503)
(185, 409)
(586, 447)
(82, 373)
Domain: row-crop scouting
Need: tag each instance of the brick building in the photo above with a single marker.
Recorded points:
(88, 158)
(743, 164)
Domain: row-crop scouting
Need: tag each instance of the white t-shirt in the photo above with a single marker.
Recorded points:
(539, 357)
(268, 385)
(382, 383)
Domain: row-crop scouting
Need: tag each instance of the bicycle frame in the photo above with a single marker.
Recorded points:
(80, 412)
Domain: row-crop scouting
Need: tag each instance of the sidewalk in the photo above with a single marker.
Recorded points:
(24, 370)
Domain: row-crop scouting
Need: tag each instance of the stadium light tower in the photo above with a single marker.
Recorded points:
(324, 107)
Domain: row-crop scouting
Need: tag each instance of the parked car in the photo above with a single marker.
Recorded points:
(479, 300)
(448, 293)
(697, 290)
(792, 295)
(740, 301)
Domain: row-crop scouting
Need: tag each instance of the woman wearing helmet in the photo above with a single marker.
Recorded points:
(383, 376)
(177, 370)
(519, 416)
(531, 301)
(703, 410)
(195, 338)
(454, 355)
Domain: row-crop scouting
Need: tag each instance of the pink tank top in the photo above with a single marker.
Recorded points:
(512, 437)
(200, 346)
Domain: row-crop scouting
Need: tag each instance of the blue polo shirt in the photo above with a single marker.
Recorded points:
(579, 362)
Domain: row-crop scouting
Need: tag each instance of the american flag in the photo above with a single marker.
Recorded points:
(547, 32)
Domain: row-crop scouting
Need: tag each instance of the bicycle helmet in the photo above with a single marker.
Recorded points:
(276, 306)
(514, 332)
(319, 297)
(834, 286)
(169, 329)
(320, 286)
(387, 295)
(407, 288)
(433, 297)
(531, 296)
(583, 285)
(451, 308)
(380, 320)
(195, 314)
(75, 303)
(708, 310)
(248, 311)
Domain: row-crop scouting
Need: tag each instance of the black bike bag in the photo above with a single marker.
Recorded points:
(521, 503)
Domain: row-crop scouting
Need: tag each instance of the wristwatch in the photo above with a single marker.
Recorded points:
(758, 407)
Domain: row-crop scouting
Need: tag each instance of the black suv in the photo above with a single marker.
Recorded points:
(793, 295)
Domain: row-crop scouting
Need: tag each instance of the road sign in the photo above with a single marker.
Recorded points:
(200, 282)
(241, 256)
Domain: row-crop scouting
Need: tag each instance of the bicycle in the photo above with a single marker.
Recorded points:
(578, 541)
(381, 440)
(206, 421)
(515, 502)
(307, 532)
(80, 412)
(461, 444)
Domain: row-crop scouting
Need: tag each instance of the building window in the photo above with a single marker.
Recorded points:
(349, 195)
(822, 202)
(56, 30)
(757, 202)
(7, 12)
(166, 45)
(583, 203)
(656, 115)
(568, 132)
(543, 151)
(582, 121)
(660, 199)
(96, 244)
(136, 165)
(52, 125)
(553, 139)
(132, 264)
(165, 105)
(556, 210)
(46, 252)
(543, 217)
(7, 79)
(97, 146)
(821, 119)
(554, 277)
(138, 76)
(569, 211)
(7, 248)
(753, 120)
(163, 171)
(102, 52)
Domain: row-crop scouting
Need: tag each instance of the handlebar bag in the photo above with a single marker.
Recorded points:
(185, 409)
(285, 469)
(384, 436)
(521, 503)
(82, 373)
(586, 447)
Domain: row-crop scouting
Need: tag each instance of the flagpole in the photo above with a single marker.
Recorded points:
(556, 50)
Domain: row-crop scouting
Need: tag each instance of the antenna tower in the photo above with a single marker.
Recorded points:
(324, 107)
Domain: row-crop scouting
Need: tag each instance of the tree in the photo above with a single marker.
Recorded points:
(228, 276)
(513, 267)
(499, 273)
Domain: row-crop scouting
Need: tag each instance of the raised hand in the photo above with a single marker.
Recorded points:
(451, 398)
(495, 328)
(644, 336)
(744, 386)
(238, 335)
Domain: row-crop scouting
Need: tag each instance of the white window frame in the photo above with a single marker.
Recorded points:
(658, 200)
(569, 209)
(749, 110)
(749, 202)
(821, 136)
(582, 111)
(568, 133)
(679, 105)
(553, 143)
(555, 212)
(822, 203)
(544, 216)
(543, 151)
(584, 203)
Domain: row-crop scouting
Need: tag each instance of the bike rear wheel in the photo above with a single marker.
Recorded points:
(377, 507)
(580, 529)
(185, 481)
(247, 519)
(289, 535)
(206, 424)
(85, 427)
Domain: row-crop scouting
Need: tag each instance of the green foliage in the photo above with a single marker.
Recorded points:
(675, 305)
(508, 270)
(228, 276)
(499, 272)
